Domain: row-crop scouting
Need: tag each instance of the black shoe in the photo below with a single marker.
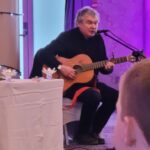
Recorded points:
(111, 148)
(87, 139)
(101, 140)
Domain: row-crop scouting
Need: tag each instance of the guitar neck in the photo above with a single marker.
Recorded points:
(101, 64)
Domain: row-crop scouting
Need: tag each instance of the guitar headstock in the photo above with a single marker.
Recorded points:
(136, 56)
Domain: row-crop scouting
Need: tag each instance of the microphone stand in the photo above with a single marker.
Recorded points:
(135, 52)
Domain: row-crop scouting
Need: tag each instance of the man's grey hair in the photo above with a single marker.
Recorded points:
(135, 95)
(86, 10)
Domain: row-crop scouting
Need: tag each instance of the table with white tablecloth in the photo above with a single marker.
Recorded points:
(31, 114)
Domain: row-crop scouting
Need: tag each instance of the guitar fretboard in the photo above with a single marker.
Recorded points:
(101, 64)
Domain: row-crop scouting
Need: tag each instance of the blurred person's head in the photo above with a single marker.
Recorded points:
(132, 130)
(87, 20)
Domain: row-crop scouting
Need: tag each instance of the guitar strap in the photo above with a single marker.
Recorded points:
(76, 95)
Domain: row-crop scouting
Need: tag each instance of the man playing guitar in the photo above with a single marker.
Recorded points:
(82, 41)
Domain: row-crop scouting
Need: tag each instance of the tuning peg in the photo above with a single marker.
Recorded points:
(138, 55)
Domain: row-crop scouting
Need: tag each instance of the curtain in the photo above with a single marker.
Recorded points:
(71, 8)
(146, 21)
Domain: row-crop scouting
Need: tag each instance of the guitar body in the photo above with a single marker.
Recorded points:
(75, 62)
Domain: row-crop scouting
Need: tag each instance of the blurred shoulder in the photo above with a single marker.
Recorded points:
(68, 33)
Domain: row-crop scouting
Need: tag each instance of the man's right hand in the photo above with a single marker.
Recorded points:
(67, 71)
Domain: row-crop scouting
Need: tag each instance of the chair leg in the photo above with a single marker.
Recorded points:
(66, 139)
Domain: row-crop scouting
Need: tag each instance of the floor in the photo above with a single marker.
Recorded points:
(107, 134)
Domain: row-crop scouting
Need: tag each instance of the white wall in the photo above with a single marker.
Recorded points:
(48, 21)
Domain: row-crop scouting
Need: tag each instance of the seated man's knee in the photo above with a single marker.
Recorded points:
(91, 96)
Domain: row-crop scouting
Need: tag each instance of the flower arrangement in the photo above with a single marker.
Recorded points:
(8, 74)
(48, 72)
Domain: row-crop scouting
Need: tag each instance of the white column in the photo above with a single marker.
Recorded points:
(9, 33)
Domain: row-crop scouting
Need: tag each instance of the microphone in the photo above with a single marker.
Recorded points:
(103, 31)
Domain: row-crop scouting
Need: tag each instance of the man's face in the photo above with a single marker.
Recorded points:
(88, 26)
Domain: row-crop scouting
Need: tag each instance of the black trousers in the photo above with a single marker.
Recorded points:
(94, 117)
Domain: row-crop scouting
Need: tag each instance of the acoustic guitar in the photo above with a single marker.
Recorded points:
(84, 68)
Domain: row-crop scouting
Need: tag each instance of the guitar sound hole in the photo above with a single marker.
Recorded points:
(78, 68)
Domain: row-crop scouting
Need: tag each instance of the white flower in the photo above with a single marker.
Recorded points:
(8, 73)
(48, 72)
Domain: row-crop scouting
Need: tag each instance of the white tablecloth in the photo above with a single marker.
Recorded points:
(31, 115)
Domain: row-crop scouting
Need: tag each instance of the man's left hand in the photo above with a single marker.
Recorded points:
(109, 65)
